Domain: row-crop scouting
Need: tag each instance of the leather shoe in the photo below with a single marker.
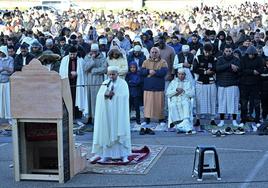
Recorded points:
(149, 131)
(142, 131)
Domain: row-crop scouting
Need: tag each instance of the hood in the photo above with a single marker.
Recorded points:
(132, 63)
(251, 50)
(4, 50)
(138, 39)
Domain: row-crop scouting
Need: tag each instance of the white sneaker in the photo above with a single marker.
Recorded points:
(143, 124)
(221, 124)
(235, 124)
(241, 125)
(125, 159)
(136, 127)
(103, 159)
(258, 125)
(95, 158)
(161, 127)
(254, 128)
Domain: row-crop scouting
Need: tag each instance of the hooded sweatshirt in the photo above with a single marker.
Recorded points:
(249, 65)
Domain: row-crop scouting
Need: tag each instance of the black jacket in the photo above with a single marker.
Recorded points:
(201, 65)
(18, 61)
(247, 70)
(225, 76)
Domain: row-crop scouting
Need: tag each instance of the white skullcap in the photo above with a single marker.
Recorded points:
(181, 70)
(113, 68)
(103, 41)
(49, 42)
(94, 47)
(185, 48)
(137, 48)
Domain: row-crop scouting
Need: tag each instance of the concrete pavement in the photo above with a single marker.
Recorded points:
(243, 162)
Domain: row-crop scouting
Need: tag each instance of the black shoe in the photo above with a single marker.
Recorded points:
(197, 123)
(212, 122)
(142, 131)
(149, 131)
(138, 122)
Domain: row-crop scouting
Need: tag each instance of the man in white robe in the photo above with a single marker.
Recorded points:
(180, 91)
(72, 67)
(111, 137)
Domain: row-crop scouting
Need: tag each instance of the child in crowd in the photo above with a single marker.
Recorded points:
(134, 80)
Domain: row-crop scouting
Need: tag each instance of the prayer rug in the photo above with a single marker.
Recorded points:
(140, 161)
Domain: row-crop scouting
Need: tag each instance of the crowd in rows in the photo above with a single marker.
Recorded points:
(208, 59)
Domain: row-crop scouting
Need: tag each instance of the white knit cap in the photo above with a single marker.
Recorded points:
(137, 48)
(94, 47)
(185, 48)
(113, 69)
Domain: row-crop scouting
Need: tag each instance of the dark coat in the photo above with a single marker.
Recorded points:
(18, 61)
(134, 81)
(225, 76)
(201, 65)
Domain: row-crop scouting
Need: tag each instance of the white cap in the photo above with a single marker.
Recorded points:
(49, 42)
(103, 41)
(94, 47)
(185, 48)
(181, 70)
(113, 68)
(137, 48)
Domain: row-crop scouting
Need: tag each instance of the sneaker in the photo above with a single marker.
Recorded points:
(95, 158)
(228, 130)
(241, 125)
(143, 124)
(221, 124)
(235, 124)
(149, 131)
(142, 131)
(161, 127)
(254, 128)
(125, 159)
(190, 132)
(258, 125)
(239, 131)
(212, 122)
(136, 127)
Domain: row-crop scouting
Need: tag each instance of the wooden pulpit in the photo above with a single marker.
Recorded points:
(41, 108)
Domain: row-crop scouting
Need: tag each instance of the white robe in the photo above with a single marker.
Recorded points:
(180, 108)
(81, 98)
(111, 137)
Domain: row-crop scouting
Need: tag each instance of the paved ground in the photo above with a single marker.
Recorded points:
(243, 162)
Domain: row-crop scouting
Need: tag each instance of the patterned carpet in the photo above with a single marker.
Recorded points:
(140, 168)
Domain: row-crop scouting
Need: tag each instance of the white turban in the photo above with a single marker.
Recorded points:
(185, 48)
(113, 69)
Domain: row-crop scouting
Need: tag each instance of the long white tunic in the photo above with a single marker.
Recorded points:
(180, 107)
(81, 98)
(111, 137)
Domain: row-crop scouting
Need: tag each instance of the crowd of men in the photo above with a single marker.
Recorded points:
(207, 60)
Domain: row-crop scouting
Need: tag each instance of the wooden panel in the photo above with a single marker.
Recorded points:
(39, 177)
(67, 98)
(36, 93)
